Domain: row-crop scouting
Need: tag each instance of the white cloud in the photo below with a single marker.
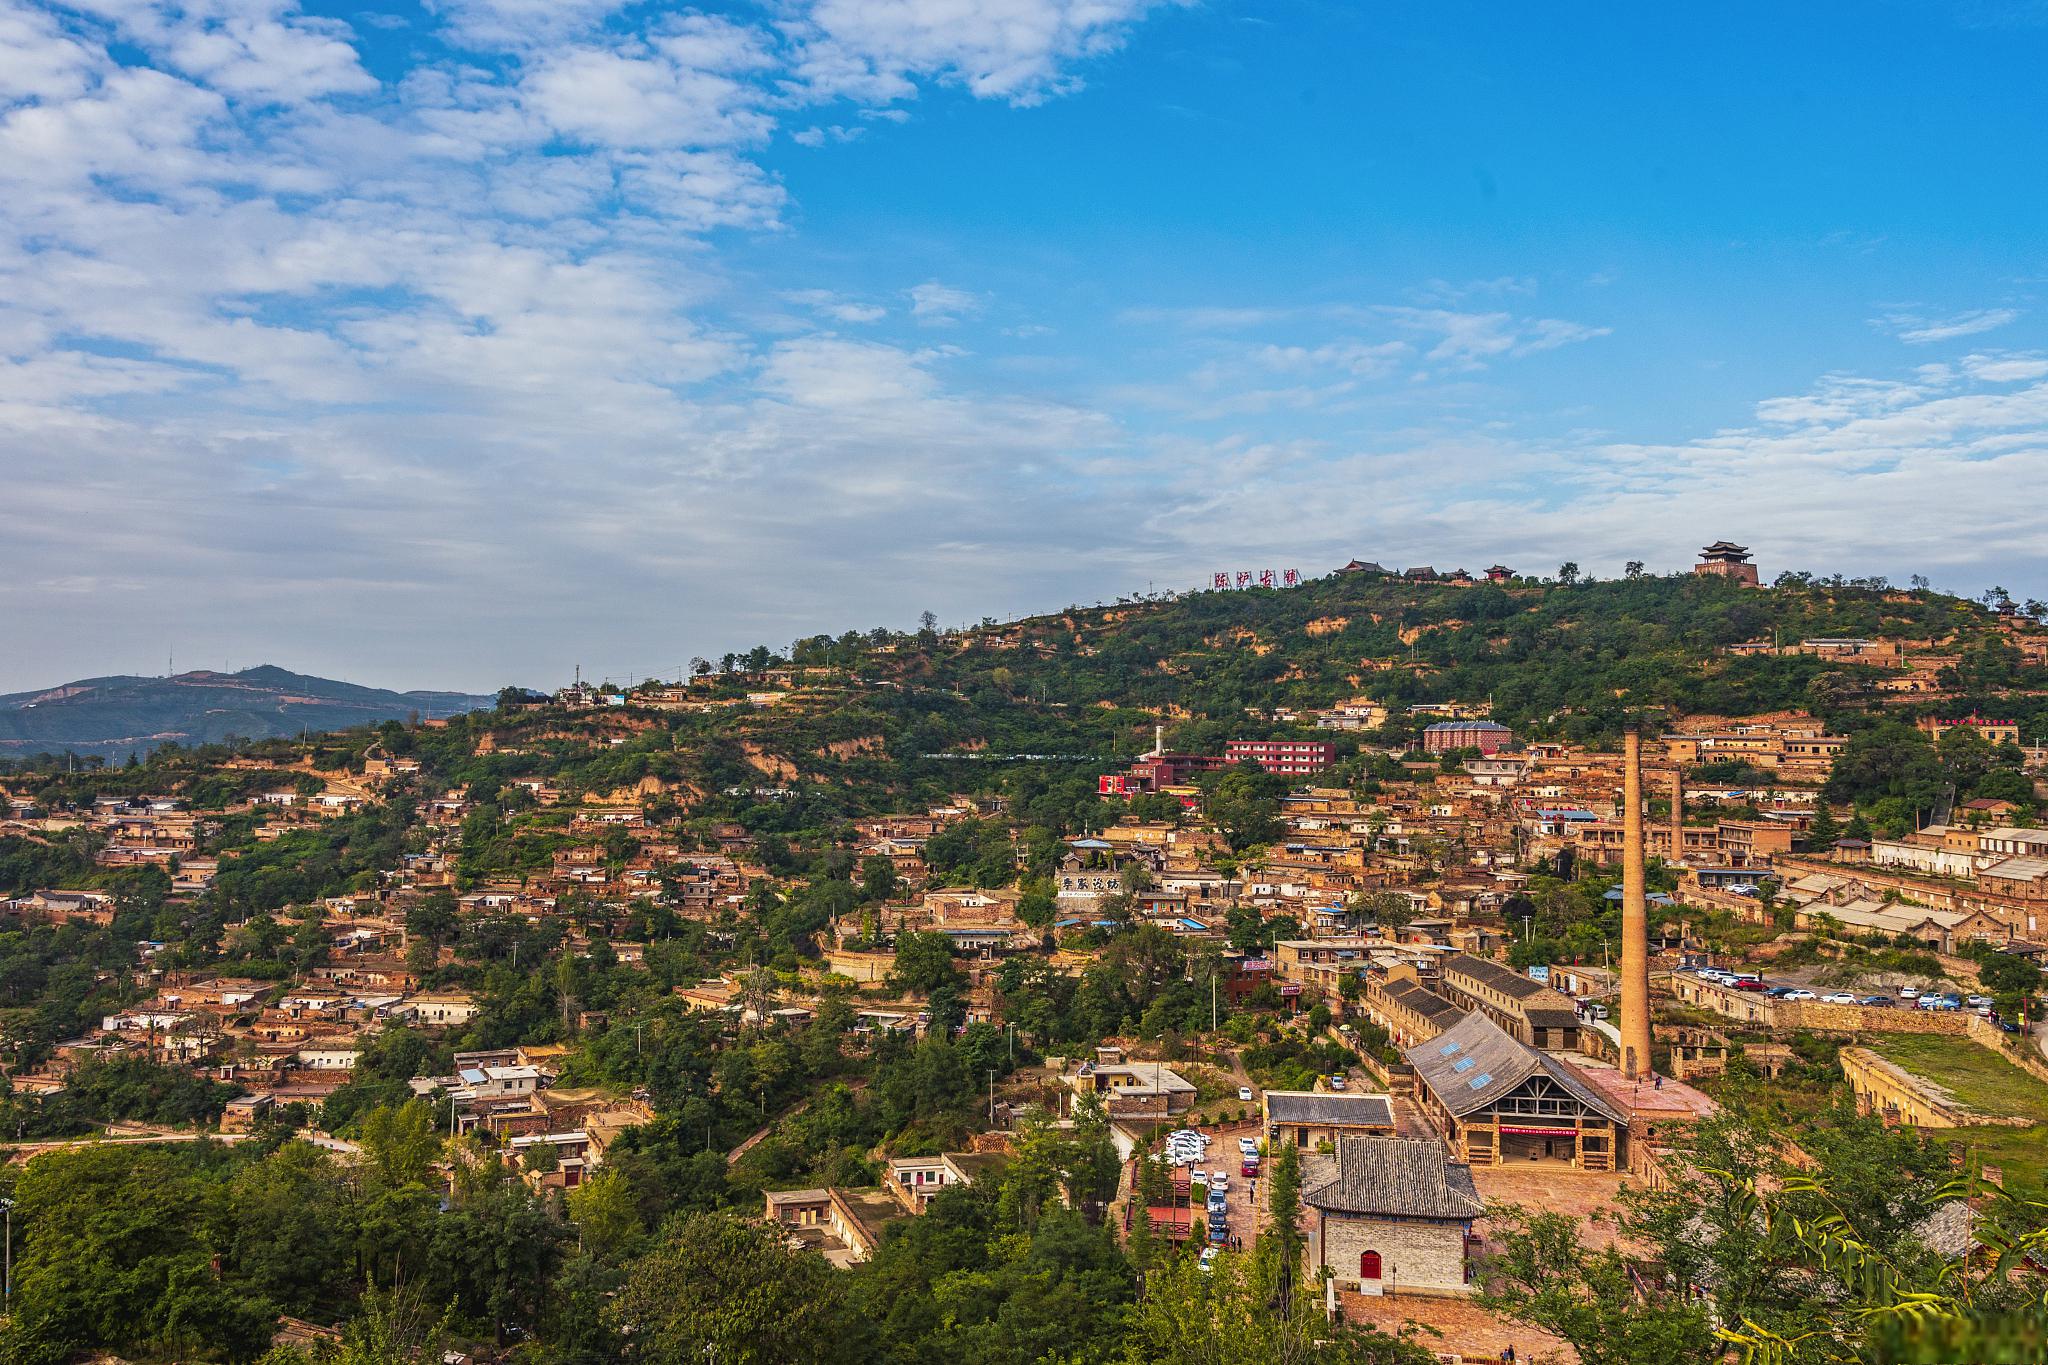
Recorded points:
(1918, 331)
(828, 304)
(1367, 360)
(938, 304)
(263, 51)
(1022, 51)
(690, 88)
(1467, 341)
(38, 60)
(275, 329)
(2006, 369)
(521, 24)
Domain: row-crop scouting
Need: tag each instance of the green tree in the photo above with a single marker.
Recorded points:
(606, 1216)
(118, 1258)
(293, 1230)
(924, 962)
(401, 1143)
(1238, 1312)
(721, 1289)
(878, 880)
(1283, 1202)
(1545, 1276)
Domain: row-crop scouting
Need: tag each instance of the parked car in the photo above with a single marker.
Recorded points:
(1839, 998)
(1250, 1169)
(1974, 1001)
(1218, 1234)
(1219, 1181)
(1877, 1002)
(2009, 1025)
(1244, 1094)
(1799, 994)
(1909, 993)
(1940, 1002)
(1336, 1081)
(1207, 1260)
(1748, 983)
(1248, 1146)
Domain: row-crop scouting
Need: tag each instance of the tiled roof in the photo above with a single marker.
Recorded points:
(1476, 1063)
(1413, 996)
(1303, 1106)
(1393, 1176)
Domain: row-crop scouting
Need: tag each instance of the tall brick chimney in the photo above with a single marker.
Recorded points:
(1677, 815)
(1635, 915)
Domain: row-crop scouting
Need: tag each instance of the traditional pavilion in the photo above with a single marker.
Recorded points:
(1726, 559)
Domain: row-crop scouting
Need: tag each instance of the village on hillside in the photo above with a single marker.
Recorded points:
(1451, 969)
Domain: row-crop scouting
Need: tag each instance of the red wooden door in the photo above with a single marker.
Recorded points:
(1369, 1266)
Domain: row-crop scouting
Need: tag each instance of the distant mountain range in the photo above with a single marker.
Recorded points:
(114, 717)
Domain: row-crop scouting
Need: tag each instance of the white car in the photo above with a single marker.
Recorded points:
(1976, 1001)
(1799, 995)
(1208, 1259)
(1839, 998)
(1244, 1094)
(1248, 1146)
(1909, 993)
(1219, 1180)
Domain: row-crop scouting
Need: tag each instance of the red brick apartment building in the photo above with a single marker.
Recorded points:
(1287, 757)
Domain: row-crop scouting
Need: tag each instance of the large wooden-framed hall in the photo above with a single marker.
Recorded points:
(1497, 1100)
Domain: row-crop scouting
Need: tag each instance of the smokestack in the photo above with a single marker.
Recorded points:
(1635, 915)
(1677, 815)
(1158, 740)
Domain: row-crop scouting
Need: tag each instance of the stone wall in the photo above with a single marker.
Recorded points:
(2018, 1049)
(1416, 1257)
(1855, 1019)
(1882, 1087)
(1754, 1007)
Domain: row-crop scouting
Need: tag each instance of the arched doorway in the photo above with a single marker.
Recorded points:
(1369, 1265)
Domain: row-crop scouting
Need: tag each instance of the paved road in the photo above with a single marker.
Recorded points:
(124, 1136)
(29, 1151)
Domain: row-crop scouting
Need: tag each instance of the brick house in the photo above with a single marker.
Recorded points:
(1391, 1214)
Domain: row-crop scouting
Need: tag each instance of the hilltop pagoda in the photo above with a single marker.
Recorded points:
(1726, 559)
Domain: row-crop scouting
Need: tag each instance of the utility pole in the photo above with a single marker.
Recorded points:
(991, 1097)
(7, 1209)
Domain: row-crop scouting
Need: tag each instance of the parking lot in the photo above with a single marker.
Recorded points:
(1823, 983)
(1243, 1214)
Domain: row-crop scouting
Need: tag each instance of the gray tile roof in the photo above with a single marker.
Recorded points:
(1475, 1063)
(1393, 1176)
(1355, 1111)
(1427, 1003)
(1506, 980)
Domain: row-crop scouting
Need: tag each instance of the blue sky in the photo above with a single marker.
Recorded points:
(463, 343)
